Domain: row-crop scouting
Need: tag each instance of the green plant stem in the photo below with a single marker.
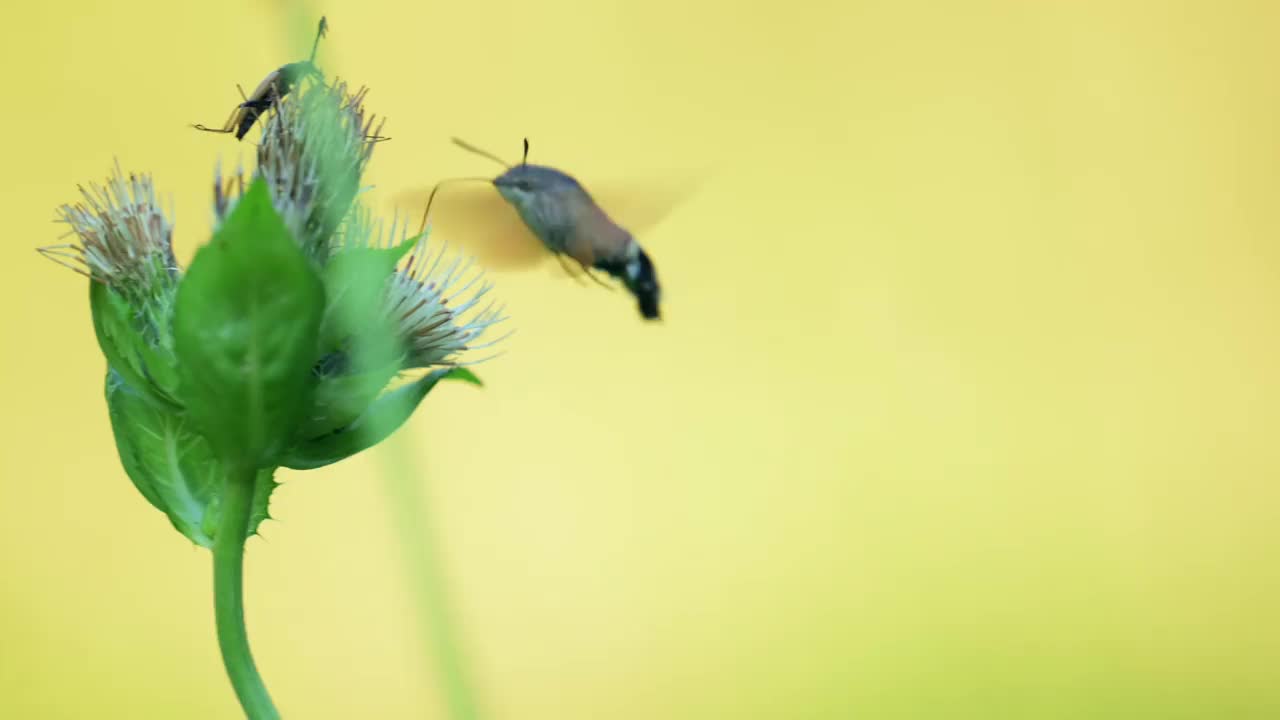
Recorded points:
(228, 596)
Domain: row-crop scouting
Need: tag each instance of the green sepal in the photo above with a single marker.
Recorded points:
(341, 399)
(356, 320)
(172, 465)
(463, 375)
(264, 485)
(358, 331)
(127, 350)
(384, 416)
(246, 326)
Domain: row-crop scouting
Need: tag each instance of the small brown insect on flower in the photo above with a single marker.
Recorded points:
(272, 91)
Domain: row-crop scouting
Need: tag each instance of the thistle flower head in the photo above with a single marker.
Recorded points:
(435, 301)
(440, 314)
(124, 239)
(315, 148)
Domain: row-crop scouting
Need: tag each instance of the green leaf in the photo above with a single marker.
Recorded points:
(245, 332)
(127, 350)
(383, 417)
(171, 464)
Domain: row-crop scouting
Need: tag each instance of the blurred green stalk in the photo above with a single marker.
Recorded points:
(424, 571)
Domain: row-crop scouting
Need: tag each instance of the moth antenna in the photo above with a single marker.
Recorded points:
(525, 159)
(483, 153)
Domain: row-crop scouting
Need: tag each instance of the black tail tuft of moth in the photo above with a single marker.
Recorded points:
(642, 280)
(639, 277)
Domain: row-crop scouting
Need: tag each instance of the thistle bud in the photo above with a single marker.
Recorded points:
(124, 239)
(124, 245)
(314, 150)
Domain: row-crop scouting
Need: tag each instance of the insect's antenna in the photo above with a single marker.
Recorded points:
(525, 159)
(431, 198)
(320, 32)
(483, 153)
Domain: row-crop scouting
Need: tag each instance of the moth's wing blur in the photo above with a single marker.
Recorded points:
(635, 204)
(640, 204)
(475, 219)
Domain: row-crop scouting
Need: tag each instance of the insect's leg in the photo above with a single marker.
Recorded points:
(228, 126)
(241, 91)
(591, 274)
(569, 269)
(582, 254)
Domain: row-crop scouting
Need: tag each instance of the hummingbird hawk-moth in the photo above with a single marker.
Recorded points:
(563, 218)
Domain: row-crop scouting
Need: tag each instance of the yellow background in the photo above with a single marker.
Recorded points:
(964, 404)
